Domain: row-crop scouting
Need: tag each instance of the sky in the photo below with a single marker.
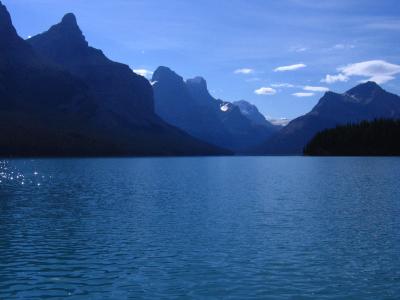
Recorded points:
(279, 55)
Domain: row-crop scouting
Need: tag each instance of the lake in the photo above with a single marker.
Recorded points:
(200, 228)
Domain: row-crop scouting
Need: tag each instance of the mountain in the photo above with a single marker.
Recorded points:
(368, 138)
(189, 106)
(114, 85)
(252, 113)
(36, 98)
(58, 96)
(366, 101)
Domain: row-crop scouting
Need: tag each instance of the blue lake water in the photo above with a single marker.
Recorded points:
(200, 228)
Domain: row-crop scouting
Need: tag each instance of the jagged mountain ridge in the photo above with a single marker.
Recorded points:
(35, 97)
(114, 84)
(366, 101)
(189, 106)
(46, 108)
(252, 113)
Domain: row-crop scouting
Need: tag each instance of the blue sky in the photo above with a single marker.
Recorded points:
(275, 54)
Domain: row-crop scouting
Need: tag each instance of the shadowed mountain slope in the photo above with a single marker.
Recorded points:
(366, 101)
(251, 112)
(58, 96)
(189, 106)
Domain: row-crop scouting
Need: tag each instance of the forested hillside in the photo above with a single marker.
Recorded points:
(375, 138)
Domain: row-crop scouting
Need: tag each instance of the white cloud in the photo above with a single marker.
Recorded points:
(253, 79)
(265, 91)
(315, 88)
(289, 68)
(244, 71)
(379, 79)
(301, 95)
(143, 72)
(375, 69)
(343, 46)
(282, 85)
(379, 71)
(335, 78)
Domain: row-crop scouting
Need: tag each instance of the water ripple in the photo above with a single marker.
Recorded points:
(240, 228)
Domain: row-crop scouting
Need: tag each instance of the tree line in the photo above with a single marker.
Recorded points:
(379, 137)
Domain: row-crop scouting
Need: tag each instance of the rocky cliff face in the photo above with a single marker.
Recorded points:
(58, 96)
(41, 106)
(189, 106)
(252, 113)
(114, 85)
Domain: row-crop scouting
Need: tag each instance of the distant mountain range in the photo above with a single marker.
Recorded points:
(189, 106)
(251, 112)
(366, 101)
(58, 96)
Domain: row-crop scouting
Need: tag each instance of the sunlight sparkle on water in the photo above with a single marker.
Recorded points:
(10, 174)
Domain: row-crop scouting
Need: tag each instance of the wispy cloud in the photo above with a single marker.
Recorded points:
(289, 68)
(315, 88)
(245, 71)
(384, 25)
(299, 49)
(143, 72)
(282, 85)
(321, 4)
(253, 79)
(343, 46)
(379, 71)
(307, 88)
(302, 95)
(265, 91)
